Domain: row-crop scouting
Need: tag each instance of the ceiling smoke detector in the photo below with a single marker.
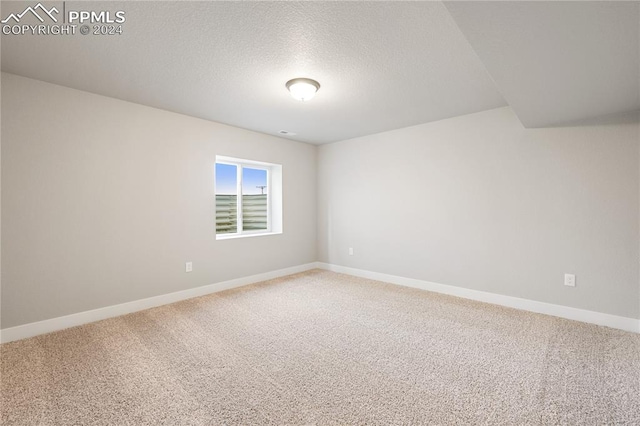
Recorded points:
(303, 89)
(284, 132)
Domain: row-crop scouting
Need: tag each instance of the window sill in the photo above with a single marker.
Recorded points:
(234, 236)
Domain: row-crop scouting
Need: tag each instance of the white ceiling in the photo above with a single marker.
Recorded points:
(556, 62)
(382, 65)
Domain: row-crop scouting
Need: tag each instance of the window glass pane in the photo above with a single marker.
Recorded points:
(226, 198)
(254, 199)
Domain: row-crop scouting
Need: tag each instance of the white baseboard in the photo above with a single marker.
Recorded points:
(60, 323)
(613, 321)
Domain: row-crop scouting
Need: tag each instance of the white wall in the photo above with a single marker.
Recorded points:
(103, 201)
(480, 202)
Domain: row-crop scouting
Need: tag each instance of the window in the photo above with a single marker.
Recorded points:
(248, 198)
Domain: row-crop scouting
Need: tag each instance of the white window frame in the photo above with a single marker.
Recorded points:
(274, 197)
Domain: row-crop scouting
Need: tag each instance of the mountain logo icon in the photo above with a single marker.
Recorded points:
(16, 17)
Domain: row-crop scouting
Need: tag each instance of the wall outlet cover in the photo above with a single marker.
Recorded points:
(570, 280)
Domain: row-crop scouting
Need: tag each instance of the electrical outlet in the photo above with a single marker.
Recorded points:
(188, 267)
(350, 251)
(570, 280)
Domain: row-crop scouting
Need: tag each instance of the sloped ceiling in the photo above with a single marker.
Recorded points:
(381, 65)
(556, 62)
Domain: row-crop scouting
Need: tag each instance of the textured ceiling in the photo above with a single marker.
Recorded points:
(382, 65)
(556, 62)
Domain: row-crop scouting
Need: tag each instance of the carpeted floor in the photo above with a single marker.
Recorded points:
(324, 348)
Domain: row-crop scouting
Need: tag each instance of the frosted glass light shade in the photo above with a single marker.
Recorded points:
(303, 89)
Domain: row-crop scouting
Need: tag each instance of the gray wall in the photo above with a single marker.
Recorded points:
(480, 202)
(103, 201)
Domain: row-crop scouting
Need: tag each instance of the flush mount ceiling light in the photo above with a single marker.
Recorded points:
(303, 89)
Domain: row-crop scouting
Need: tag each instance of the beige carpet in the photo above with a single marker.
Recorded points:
(324, 348)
